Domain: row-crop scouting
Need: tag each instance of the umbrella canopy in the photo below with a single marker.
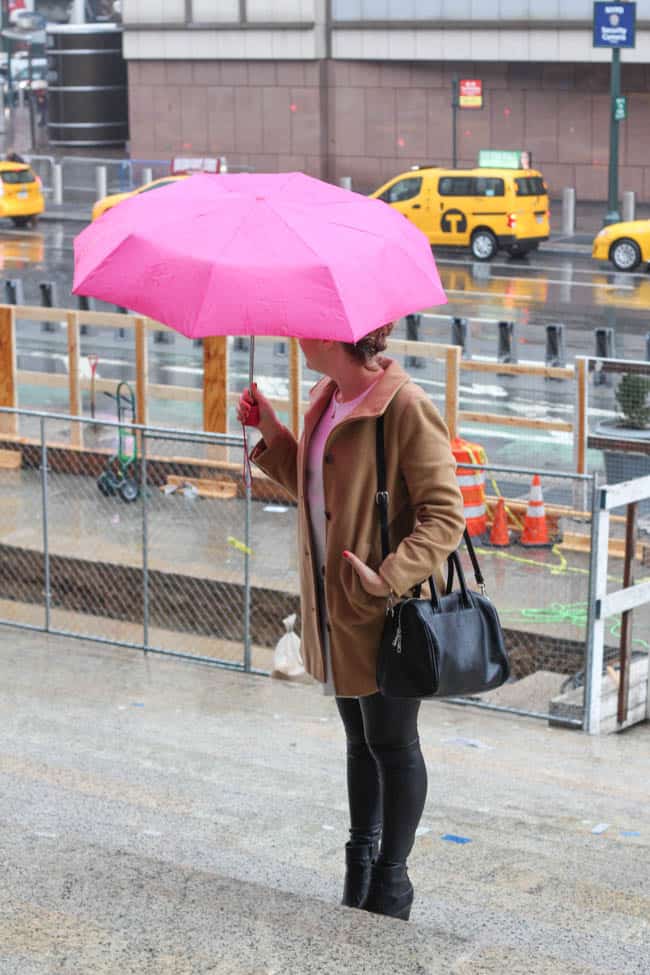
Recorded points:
(258, 254)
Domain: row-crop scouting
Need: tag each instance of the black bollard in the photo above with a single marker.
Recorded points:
(413, 323)
(121, 332)
(555, 348)
(460, 336)
(84, 303)
(14, 291)
(604, 338)
(48, 300)
(507, 350)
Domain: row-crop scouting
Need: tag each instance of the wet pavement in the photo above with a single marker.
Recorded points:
(166, 818)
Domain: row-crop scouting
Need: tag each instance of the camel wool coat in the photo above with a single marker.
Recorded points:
(425, 515)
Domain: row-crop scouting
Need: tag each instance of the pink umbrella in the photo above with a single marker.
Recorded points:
(258, 254)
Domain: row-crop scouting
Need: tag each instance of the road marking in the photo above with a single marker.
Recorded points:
(531, 298)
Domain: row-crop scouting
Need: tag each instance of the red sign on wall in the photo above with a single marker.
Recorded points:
(470, 93)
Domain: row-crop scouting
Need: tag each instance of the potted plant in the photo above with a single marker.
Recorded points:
(625, 442)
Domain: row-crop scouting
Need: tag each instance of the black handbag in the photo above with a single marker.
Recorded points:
(443, 646)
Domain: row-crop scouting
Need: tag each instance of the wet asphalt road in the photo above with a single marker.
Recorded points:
(547, 287)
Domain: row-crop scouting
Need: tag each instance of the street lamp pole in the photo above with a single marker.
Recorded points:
(613, 215)
(454, 127)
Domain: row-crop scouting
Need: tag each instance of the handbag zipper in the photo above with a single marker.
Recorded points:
(397, 639)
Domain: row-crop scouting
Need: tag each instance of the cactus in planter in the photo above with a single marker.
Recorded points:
(631, 396)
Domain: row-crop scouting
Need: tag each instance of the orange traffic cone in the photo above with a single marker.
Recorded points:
(535, 531)
(500, 534)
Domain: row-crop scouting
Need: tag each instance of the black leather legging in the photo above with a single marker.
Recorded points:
(387, 777)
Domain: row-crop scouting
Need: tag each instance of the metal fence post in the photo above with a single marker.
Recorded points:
(247, 576)
(145, 542)
(595, 622)
(46, 550)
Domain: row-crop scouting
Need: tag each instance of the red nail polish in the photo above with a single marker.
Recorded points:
(345, 555)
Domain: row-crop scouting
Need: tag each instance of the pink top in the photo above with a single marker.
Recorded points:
(332, 415)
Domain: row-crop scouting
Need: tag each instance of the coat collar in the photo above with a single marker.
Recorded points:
(374, 404)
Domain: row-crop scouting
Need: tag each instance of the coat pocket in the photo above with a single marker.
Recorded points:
(354, 593)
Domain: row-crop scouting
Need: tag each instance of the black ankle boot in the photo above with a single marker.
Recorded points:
(390, 891)
(358, 863)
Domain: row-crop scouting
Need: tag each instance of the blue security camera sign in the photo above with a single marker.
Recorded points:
(614, 24)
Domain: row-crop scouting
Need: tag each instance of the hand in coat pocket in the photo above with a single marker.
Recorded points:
(370, 580)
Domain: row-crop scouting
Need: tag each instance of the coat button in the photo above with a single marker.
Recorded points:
(329, 628)
(322, 570)
(328, 515)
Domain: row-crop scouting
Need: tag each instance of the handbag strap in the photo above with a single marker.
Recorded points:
(382, 498)
(382, 494)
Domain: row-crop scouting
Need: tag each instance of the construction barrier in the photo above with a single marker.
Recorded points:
(472, 484)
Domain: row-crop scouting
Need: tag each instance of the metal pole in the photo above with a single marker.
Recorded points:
(247, 577)
(101, 178)
(613, 215)
(595, 619)
(147, 175)
(568, 211)
(629, 207)
(247, 529)
(46, 550)
(626, 617)
(454, 113)
(145, 544)
(57, 184)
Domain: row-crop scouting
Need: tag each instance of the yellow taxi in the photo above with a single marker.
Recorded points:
(625, 244)
(485, 209)
(21, 193)
(108, 202)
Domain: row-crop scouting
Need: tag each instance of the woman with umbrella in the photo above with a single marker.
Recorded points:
(286, 255)
(345, 585)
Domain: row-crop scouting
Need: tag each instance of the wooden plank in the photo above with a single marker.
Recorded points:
(11, 460)
(207, 487)
(581, 413)
(433, 350)
(215, 384)
(141, 372)
(452, 375)
(575, 542)
(616, 495)
(515, 421)
(295, 371)
(623, 599)
(76, 429)
(516, 368)
(8, 386)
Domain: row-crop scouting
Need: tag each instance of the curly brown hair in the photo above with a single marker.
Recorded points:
(370, 345)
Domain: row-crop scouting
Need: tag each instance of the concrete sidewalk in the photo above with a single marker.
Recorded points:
(172, 818)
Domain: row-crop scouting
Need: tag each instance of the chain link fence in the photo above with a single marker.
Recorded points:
(143, 537)
(537, 573)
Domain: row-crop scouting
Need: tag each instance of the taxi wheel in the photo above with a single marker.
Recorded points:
(20, 221)
(625, 254)
(484, 245)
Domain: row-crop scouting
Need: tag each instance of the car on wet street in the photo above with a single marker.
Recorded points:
(625, 244)
(21, 193)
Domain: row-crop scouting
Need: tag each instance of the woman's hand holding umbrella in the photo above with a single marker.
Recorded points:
(254, 410)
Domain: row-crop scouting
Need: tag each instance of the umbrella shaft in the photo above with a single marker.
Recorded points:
(251, 361)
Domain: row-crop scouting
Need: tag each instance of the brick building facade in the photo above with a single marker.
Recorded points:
(299, 84)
